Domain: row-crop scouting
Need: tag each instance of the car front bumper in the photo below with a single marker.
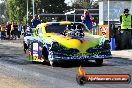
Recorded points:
(80, 58)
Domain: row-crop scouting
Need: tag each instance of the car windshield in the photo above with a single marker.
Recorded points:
(75, 30)
(56, 28)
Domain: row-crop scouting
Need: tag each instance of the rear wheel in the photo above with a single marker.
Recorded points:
(99, 61)
(45, 54)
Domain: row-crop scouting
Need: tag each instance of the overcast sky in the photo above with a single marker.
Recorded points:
(0, 1)
(69, 1)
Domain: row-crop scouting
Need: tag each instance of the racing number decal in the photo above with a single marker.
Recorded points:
(35, 57)
(35, 51)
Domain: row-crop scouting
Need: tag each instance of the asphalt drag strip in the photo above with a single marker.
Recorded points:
(14, 64)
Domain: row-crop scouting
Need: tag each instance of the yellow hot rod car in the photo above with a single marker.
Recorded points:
(65, 41)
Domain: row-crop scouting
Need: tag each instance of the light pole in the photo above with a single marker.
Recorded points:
(74, 15)
(27, 11)
(33, 7)
(108, 12)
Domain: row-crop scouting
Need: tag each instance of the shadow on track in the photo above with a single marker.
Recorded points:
(76, 64)
(118, 61)
(14, 60)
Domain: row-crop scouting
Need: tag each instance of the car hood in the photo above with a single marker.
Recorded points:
(82, 44)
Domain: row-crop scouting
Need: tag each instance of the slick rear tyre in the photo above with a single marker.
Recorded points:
(99, 62)
(81, 80)
(45, 53)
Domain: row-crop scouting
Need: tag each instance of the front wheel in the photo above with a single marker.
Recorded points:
(99, 61)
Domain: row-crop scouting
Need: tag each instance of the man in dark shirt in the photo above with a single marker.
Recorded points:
(35, 22)
(15, 30)
(8, 30)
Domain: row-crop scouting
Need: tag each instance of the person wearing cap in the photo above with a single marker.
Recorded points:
(3, 31)
(126, 27)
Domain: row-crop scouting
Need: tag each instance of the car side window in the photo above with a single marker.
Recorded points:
(40, 33)
(39, 30)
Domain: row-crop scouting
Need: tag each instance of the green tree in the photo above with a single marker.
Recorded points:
(2, 11)
(51, 6)
(16, 10)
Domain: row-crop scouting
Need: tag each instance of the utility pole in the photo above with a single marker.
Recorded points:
(33, 7)
(108, 11)
(27, 11)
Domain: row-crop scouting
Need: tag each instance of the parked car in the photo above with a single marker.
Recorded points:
(55, 42)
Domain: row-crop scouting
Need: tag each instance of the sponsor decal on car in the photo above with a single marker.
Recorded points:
(35, 49)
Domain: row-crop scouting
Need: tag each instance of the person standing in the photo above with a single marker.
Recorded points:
(3, 31)
(12, 30)
(126, 27)
(15, 30)
(19, 30)
(87, 19)
(35, 21)
(23, 29)
(8, 30)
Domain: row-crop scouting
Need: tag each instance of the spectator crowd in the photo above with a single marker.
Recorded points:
(11, 30)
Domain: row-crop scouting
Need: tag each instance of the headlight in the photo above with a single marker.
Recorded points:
(106, 44)
(54, 46)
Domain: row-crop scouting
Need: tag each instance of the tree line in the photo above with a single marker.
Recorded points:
(16, 10)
